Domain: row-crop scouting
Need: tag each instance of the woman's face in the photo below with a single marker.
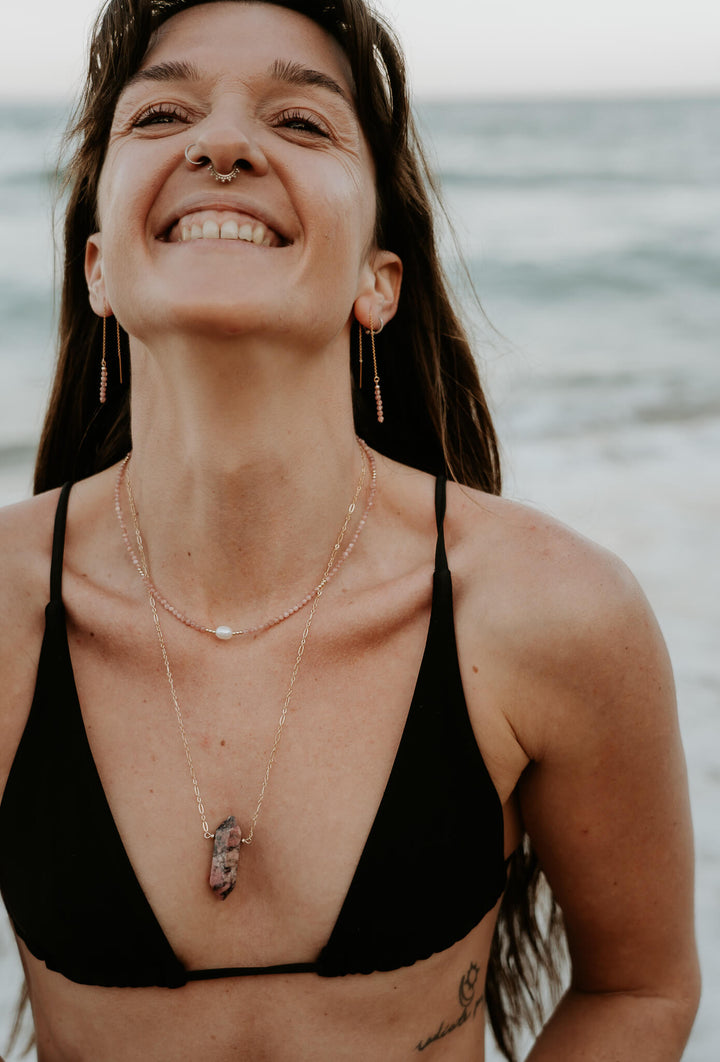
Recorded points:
(267, 87)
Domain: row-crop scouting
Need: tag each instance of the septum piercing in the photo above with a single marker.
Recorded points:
(224, 178)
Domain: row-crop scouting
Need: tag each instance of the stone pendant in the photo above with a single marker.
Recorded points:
(226, 853)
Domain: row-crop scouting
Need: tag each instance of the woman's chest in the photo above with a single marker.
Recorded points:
(368, 803)
(304, 776)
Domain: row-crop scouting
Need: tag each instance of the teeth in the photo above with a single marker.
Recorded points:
(229, 229)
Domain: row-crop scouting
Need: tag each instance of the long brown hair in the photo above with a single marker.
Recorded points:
(437, 418)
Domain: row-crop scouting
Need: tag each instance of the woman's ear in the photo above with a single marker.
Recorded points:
(378, 300)
(94, 275)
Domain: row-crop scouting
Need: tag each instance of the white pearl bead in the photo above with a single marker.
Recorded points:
(223, 633)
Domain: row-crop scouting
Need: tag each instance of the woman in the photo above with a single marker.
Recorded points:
(281, 772)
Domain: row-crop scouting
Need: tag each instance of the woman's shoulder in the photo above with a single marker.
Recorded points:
(26, 533)
(510, 551)
(563, 619)
(531, 560)
(26, 546)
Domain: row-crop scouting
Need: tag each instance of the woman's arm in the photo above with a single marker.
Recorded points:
(571, 695)
(605, 802)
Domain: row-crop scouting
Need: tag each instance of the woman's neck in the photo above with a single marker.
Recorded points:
(243, 470)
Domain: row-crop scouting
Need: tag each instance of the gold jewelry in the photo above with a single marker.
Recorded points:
(119, 353)
(376, 378)
(360, 341)
(103, 366)
(224, 632)
(224, 178)
(103, 363)
(228, 836)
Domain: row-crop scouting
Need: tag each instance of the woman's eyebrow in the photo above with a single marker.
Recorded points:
(285, 71)
(291, 73)
(172, 70)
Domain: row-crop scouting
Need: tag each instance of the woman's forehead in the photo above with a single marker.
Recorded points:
(235, 32)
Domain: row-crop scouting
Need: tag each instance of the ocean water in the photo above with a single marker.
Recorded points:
(591, 231)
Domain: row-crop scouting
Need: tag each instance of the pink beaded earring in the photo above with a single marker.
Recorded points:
(103, 363)
(376, 378)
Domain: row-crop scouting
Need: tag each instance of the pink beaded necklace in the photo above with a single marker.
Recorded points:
(223, 631)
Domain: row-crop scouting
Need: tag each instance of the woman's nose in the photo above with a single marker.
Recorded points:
(228, 150)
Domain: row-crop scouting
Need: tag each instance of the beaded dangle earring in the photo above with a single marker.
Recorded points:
(376, 378)
(103, 365)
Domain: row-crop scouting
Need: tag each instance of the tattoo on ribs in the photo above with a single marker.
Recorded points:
(470, 1002)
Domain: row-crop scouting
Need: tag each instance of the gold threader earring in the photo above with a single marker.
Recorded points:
(376, 378)
(119, 351)
(103, 363)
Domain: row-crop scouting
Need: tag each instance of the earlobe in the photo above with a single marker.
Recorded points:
(94, 275)
(380, 297)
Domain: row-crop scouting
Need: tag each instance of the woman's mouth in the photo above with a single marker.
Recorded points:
(223, 225)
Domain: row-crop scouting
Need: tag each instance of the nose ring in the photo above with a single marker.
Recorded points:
(224, 178)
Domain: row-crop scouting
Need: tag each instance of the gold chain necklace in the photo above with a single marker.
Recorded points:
(223, 631)
(228, 835)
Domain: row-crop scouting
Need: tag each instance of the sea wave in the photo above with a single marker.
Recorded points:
(26, 312)
(647, 271)
(584, 403)
(31, 181)
(17, 454)
(585, 180)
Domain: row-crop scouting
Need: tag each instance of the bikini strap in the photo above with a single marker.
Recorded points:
(58, 546)
(441, 564)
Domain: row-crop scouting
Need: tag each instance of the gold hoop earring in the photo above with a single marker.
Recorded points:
(103, 365)
(376, 378)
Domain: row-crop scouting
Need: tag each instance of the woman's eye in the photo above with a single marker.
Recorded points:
(158, 114)
(301, 122)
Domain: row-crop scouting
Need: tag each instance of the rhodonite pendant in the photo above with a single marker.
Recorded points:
(226, 853)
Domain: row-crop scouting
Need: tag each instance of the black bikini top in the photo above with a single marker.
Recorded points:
(431, 869)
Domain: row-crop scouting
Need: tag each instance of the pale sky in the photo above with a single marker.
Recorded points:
(473, 47)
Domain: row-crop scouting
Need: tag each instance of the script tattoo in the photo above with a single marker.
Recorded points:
(470, 1002)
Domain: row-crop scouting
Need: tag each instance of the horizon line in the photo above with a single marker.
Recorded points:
(433, 96)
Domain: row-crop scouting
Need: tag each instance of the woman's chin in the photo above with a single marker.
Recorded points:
(204, 316)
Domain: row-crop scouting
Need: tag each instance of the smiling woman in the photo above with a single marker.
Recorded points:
(293, 775)
(232, 108)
